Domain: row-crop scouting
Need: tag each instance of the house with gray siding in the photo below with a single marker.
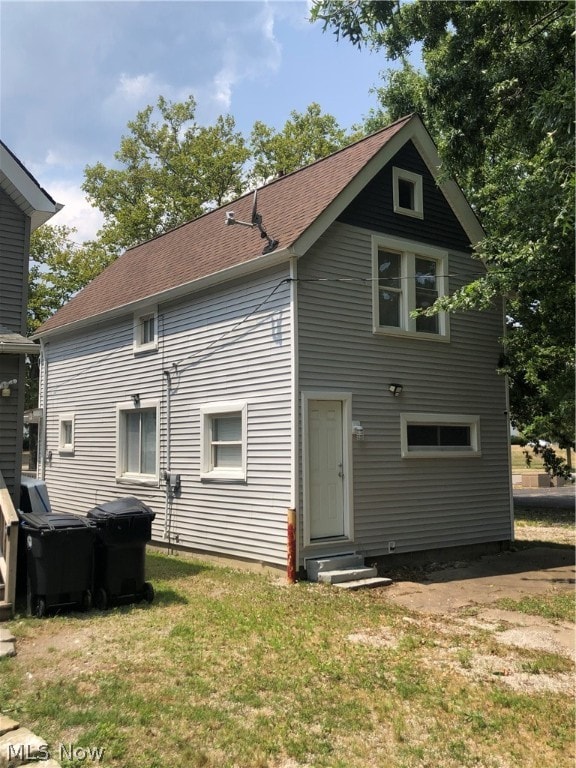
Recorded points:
(236, 378)
(24, 206)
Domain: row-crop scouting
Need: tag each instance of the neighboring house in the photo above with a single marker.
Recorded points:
(225, 384)
(24, 206)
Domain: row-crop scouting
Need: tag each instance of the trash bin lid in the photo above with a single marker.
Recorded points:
(129, 506)
(34, 496)
(53, 521)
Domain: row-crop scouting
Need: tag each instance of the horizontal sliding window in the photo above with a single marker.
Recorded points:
(439, 435)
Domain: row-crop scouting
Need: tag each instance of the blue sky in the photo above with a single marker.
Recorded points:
(73, 73)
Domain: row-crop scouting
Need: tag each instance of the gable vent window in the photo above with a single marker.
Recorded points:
(426, 435)
(146, 332)
(407, 193)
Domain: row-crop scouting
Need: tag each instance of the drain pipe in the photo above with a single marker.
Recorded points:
(42, 397)
(168, 487)
(291, 547)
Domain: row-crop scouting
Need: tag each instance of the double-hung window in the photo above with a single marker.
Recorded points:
(137, 454)
(223, 438)
(407, 278)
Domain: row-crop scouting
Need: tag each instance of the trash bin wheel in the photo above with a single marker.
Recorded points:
(148, 593)
(86, 603)
(101, 598)
(35, 604)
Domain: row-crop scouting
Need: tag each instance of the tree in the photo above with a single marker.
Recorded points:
(305, 137)
(497, 95)
(172, 172)
(59, 268)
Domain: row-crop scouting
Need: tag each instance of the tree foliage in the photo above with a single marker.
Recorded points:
(497, 95)
(171, 171)
(59, 268)
(306, 137)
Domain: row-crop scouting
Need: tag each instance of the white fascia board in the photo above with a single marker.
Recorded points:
(415, 131)
(18, 348)
(454, 196)
(31, 198)
(238, 271)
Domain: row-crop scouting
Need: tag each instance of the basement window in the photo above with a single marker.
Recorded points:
(407, 193)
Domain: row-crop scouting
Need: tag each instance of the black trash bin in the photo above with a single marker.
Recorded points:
(59, 561)
(123, 528)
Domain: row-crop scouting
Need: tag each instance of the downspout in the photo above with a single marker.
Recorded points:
(167, 483)
(42, 403)
(508, 431)
(292, 520)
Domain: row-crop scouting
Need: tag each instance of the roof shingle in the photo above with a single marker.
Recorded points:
(205, 246)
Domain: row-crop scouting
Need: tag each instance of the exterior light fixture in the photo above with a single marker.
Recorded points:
(5, 387)
(136, 400)
(396, 389)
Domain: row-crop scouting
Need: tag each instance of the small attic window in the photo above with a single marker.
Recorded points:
(146, 332)
(407, 193)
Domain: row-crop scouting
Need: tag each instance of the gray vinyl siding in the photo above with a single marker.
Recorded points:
(230, 344)
(11, 422)
(14, 240)
(418, 503)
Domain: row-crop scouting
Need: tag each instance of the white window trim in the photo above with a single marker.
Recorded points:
(400, 174)
(63, 447)
(133, 478)
(207, 471)
(410, 251)
(441, 419)
(138, 345)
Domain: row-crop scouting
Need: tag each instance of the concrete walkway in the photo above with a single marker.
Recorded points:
(19, 746)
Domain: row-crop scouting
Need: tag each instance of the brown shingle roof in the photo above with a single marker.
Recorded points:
(205, 246)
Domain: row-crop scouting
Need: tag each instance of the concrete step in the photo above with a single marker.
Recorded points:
(376, 581)
(7, 643)
(339, 575)
(333, 563)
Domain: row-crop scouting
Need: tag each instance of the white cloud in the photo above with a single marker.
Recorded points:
(250, 52)
(77, 212)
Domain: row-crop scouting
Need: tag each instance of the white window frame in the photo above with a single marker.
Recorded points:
(65, 447)
(398, 175)
(440, 419)
(207, 414)
(139, 319)
(135, 478)
(409, 252)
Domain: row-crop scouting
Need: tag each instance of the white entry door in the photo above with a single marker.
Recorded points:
(326, 470)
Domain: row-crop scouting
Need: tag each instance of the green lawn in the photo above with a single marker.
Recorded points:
(228, 669)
